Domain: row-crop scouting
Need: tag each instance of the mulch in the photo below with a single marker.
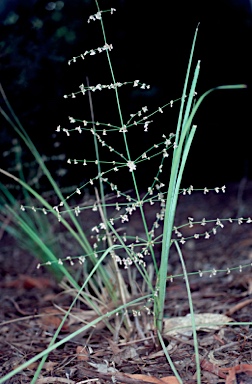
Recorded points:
(219, 269)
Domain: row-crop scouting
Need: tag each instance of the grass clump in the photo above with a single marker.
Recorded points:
(106, 254)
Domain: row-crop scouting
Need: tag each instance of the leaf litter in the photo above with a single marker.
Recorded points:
(31, 310)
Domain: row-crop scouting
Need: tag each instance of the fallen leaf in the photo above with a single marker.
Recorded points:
(28, 282)
(82, 353)
(228, 373)
(49, 365)
(210, 367)
(238, 369)
(152, 379)
(46, 380)
(103, 367)
(51, 321)
(33, 366)
(127, 378)
(204, 322)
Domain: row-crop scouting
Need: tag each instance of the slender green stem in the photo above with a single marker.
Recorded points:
(170, 362)
(195, 339)
(126, 145)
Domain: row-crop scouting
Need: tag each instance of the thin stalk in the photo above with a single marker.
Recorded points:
(170, 362)
(195, 339)
(97, 155)
(126, 144)
(118, 275)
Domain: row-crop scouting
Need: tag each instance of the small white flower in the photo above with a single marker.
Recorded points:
(81, 259)
(219, 223)
(91, 18)
(117, 206)
(66, 130)
(124, 218)
(123, 129)
(146, 124)
(98, 15)
(77, 211)
(131, 165)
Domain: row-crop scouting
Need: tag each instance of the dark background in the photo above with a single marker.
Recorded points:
(152, 42)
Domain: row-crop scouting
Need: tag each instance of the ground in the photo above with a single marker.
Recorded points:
(31, 305)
